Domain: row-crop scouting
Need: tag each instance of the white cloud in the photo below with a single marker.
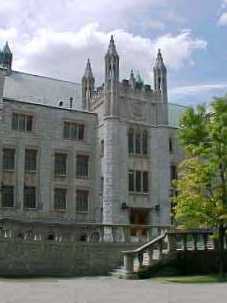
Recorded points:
(199, 88)
(222, 21)
(63, 53)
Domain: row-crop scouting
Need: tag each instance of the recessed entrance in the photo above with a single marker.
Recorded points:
(138, 216)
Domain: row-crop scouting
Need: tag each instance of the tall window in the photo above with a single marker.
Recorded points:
(8, 158)
(73, 131)
(60, 164)
(102, 148)
(131, 180)
(60, 198)
(82, 163)
(173, 172)
(138, 181)
(131, 141)
(170, 145)
(145, 143)
(29, 197)
(30, 160)
(22, 122)
(7, 196)
(138, 143)
(82, 200)
(145, 182)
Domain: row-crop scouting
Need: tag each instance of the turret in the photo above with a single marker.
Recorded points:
(6, 58)
(111, 79)
(160, 77)
(88, 85)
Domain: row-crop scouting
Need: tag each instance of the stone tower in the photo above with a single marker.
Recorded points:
(111, 170)
(6, 58)
(111, 80)
(88, 85)
(160, 77)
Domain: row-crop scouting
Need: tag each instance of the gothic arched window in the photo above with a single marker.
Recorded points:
(131, 141)
(138, 143)
(145, 142)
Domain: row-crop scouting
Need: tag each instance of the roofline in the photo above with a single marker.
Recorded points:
(46, 77)
(5, 99)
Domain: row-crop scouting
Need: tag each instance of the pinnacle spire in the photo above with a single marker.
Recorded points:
(112, 47)
(88, 71)
(6, 49)
(159, 64)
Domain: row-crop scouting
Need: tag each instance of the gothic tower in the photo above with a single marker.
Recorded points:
(88, 85)
(111, 79)
(111, 131)
(6, 58)
(160, 77)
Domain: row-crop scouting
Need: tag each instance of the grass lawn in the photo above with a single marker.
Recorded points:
(191, 279)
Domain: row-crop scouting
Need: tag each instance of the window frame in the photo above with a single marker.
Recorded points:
(35, 195)
(80, 210)
(4, 186)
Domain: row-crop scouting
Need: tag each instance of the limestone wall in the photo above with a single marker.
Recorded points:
(50, 258)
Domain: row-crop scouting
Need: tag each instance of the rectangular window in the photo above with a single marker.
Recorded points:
(82, 166)
(22, 122)
(138, 143)
(29, 197)
(138, 181)
(145, 182)
(170, 145)
(102, 148)
(131, 180)
(8, 158)
(102, 185)
(7, 196)
(82, 200)
(60, 164)
(173, 172)
(73, 131)
(30, 160)
(60, 198)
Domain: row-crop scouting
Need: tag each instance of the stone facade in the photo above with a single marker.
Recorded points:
(108, 115)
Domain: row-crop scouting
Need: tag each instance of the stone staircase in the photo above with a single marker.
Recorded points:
(162, 251)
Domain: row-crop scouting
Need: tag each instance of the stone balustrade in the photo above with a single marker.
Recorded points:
(89, 232)
(166, 244)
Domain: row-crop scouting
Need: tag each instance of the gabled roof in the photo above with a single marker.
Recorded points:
(42, 90)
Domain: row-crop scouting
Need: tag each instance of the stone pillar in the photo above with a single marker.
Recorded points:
(111, 193)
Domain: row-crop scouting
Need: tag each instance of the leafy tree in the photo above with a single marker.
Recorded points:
(202, 182)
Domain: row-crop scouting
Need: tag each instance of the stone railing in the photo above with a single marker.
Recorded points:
(89, 232)
(165, 244)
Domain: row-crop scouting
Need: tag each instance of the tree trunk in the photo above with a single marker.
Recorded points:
(221, 256)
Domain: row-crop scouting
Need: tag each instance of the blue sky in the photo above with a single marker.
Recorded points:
(55, 38)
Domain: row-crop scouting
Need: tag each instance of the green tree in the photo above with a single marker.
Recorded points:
(202, 182)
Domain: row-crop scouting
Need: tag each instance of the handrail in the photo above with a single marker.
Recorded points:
(146, 245)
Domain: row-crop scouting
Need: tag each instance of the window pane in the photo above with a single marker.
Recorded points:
(138, 181)
(138, 143)
(74, 131)
(67, 130)
(60, 198)
(82, 200)
(29, 197)
(29, 123)
(170, 145)
(173, 172)
(145, 182)
(131, 180)
(81, 132)
(21, 122)
(9, 158)
(30, 160)
(15, 121)
(145, 143)
(131, 141)
(7, 196)
(60, 164)
(82, 166)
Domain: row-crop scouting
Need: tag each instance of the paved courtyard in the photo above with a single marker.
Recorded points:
(108, 290)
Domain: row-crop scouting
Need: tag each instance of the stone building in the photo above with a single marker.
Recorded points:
(75, 153)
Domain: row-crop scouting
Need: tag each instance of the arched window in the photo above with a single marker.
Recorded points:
(131, 141)
(145, 142)
(138, 143)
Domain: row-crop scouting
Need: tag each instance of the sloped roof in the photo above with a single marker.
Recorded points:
(42, 90)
